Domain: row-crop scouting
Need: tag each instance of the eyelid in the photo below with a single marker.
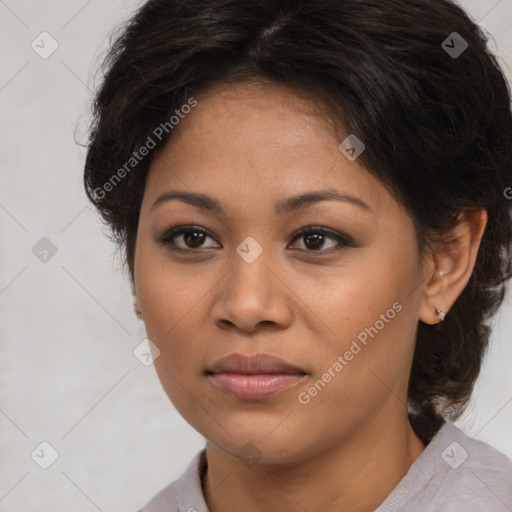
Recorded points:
(341, 239)
(171, 233)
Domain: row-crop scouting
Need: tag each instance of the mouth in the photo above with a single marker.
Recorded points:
(254, 378)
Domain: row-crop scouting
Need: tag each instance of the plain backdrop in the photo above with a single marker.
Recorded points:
(68, 375)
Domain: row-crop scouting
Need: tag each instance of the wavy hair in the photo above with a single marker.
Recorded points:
(437, 129)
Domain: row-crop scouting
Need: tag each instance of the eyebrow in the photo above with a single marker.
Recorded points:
(285, 206)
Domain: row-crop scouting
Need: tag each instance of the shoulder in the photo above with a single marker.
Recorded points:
(165, 501)
(480, 473)
(459, 451)
(180, 494)
(455, 472)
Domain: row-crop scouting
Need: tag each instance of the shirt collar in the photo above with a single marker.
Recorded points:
(190, 492)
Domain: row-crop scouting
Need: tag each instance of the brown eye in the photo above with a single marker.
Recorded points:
(315, 239)
(185, 238)
(193, 239)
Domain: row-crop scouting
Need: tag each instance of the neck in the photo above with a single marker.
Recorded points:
(356, 475)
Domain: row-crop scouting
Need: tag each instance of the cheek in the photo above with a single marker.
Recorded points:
(364, 367)
(172, 300)
(371, 315)
(171, 317)
(167, 292)
(170, 311)
(355, 300)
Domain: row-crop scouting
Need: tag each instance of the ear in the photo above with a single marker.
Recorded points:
(451, 266)
(136, 307)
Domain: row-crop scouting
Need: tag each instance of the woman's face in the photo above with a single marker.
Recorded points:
(243, 280)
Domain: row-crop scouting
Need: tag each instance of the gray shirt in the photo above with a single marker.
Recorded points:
(455, 473)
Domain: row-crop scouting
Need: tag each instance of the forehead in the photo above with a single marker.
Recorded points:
(251, 138)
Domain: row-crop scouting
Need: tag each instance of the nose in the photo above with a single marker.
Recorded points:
(253, 296)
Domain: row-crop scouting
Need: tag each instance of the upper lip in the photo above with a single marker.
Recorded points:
(259, 363)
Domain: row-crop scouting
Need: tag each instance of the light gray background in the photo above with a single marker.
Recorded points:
(68, 375)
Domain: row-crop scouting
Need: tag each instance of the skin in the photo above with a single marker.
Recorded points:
(250, 145)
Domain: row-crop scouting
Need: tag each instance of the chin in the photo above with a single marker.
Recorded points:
(251, 447)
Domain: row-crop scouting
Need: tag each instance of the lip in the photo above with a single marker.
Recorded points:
(258, 363)
(254, 378)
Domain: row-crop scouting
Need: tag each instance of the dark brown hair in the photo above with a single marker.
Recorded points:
(437, 129)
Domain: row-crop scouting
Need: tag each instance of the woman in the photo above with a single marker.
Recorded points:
(312, 201)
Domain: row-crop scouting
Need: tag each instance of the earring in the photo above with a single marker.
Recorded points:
(440, 314)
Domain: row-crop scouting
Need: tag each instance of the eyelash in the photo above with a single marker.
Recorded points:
(343, 241)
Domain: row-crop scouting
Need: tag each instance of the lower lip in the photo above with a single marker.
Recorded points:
(255, 386)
